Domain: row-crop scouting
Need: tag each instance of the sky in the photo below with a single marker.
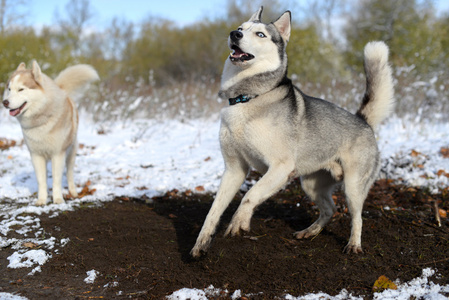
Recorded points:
(181, 11)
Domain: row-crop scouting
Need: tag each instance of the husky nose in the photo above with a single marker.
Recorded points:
(6, 103)
(236, 35)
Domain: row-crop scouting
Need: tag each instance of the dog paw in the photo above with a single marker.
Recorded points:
(73, 193)
(58, 200)
(197, 252)
(311, 231)
(41, 202)
(236, 226)
(352, 249)
(200, 247)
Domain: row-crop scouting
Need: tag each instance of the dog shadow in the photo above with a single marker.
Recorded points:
(188, 215)
(27, 181)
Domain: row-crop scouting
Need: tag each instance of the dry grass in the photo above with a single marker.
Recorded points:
(422, 97)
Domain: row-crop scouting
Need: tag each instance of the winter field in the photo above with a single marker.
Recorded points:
(139, 157)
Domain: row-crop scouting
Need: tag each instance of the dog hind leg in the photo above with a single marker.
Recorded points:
(57, 165)
(356, 191)
(70, 163)
(319, 186)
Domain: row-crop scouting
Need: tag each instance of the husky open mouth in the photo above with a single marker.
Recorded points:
(16, 111)
(237, 55)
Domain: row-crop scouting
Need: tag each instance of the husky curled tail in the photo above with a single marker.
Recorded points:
(272, 126)
(378, 100)
(74, 80)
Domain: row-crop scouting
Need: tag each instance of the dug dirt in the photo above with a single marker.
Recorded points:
(140, 247)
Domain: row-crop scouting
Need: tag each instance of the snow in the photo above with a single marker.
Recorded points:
(28, 258)
(8, 296)
(418, 288)
(187, 293)
(91, 276)
(146, 158)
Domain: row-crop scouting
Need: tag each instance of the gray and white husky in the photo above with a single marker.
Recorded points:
(275, 128)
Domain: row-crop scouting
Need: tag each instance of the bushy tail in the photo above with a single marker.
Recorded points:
(378, 100)
(75, 79)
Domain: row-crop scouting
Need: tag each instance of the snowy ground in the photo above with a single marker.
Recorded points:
(148, 158)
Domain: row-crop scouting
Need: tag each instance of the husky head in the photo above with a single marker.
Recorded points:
(24, 90)
(258, 61)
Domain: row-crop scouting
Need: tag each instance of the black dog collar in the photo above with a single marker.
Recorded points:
(239, 99)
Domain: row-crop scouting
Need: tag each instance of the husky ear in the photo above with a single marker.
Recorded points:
(257, 15)
(37, 73)
(21, 67)
(283, 24)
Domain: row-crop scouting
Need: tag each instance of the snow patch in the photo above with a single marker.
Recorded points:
(91, 276)
(28, 259)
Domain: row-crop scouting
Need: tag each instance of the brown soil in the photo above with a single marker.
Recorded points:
(144, 246)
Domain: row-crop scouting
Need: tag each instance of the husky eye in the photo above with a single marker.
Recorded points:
(240, 29)
(21, 89)
(261, 34)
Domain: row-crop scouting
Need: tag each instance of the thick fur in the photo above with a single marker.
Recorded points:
(49, 120)
(283, 133)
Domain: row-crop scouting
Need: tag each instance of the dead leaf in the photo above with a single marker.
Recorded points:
(147, 166)
(442, 213)
(415, 153)
(29, 245)
(18, 282)
(383, 283)
(207, 158)
(86, 191)
(6, 144)
(442, 172)
(172, 216)
(172, 193)
(444, 152)
(200, 188)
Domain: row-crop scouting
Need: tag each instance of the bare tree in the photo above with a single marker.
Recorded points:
(12, 12)
(78, 15)
(238, 11)
(323, 14)
(120, 34)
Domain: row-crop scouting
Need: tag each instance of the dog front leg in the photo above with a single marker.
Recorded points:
(233, 178)
(40, 169)
(275, 178)
(57, 165)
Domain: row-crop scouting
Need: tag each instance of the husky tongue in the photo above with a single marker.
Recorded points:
(237, 52)
(238, 55)
(15, 112)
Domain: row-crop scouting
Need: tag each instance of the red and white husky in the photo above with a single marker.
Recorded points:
(49, 120)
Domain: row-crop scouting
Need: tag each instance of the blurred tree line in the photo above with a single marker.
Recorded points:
(327, 39)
